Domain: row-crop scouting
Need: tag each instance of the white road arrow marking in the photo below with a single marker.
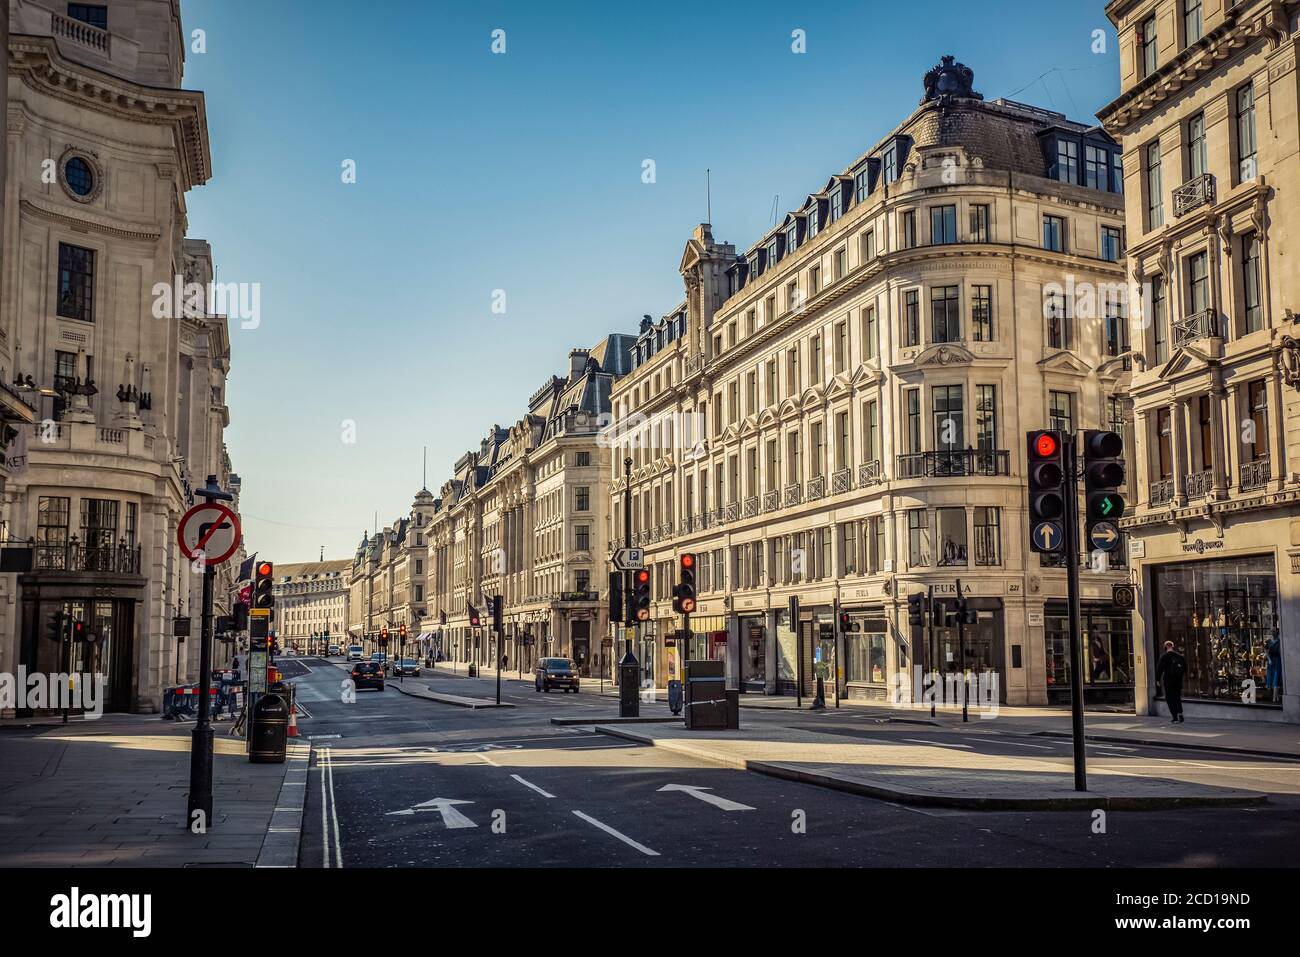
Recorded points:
(450, 816)
(698, 792)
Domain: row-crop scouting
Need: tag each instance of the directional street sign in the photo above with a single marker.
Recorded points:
(629, 559)
(209, 532)
(1048, 536)
(444, 806)
(1104, 536)
(696, 791)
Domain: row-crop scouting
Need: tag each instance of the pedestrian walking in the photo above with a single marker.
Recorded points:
(1169, 675)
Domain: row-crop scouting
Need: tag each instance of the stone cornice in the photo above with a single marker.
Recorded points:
(37, 61)
(93, 222)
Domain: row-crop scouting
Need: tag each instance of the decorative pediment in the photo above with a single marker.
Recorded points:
(1066, 362)
(730, 434)
(867, 377)
(945, 354)
(768, 418)
(839, 386)
(813, 398)
(1185, 359)
(789, 409)
(749, 425)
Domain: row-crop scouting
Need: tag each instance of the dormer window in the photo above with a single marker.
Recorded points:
(754, 268)
(772, 253)
(792, 238)
(837, 203)
(889, 163)
(812, 221)
(861, 186)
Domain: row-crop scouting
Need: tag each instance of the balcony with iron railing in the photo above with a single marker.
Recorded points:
(75, 557)
(771, 500)
(751, 506)
(816, 487)
(1162, 491)
(1196, 192)
(1199, 484)
(957, 463)
(731, 512)
(1255, 475)
(869, 473)
(793, 494)
(1197, 326)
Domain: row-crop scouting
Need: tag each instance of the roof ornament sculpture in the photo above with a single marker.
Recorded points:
(950, 79)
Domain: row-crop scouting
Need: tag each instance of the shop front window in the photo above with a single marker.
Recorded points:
(1223, 616)
(1107, 649)
(864, 652)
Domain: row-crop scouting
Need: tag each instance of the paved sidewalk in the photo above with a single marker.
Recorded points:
(112, 792)
(927, 773)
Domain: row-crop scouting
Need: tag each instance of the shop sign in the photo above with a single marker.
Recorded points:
(1200, 546)
(1035, 619)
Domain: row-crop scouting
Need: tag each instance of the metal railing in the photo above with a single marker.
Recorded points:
(751, 506)
(816, 487)
(793, 494)
(1162, 491)
(772, 500)
(731, 512)
(842, 481)
(1255, 474)
(952, 464)
(1199, 325)
(120, 559)
(1196, 192)
(1199, 484)
(869, 473)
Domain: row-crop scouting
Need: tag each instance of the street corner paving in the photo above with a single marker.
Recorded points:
(863, 447)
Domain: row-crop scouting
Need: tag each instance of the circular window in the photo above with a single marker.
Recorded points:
(79, 176)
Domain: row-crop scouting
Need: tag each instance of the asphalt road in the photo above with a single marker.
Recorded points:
(398, 780)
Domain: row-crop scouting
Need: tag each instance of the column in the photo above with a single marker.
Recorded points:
(1231, 439)
(1139, 479)
(1277, 431)
(1181, 429)
(1222, 458)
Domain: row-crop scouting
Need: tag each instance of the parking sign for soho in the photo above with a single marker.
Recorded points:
(1201, 546)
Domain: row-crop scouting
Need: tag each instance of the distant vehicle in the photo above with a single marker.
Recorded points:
(335, 650)
(367, 674)
(408, 667)
(355, 652)
(383, 660)
(555, 673)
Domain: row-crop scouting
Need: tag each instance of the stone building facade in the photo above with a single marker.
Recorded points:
(524, 516)
(127, 410)
(1207, 114)
(838, 412)
(311, 604)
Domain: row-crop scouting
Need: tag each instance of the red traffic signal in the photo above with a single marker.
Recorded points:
(1047, 490)
(641, 594)
(684, 590)
(1046, 445)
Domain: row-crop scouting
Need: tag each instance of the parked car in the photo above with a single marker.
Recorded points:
(355, 652)
(367, 674)
(555, 673)
(407, 667)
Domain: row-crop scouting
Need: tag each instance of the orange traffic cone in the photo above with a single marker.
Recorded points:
(293, 722)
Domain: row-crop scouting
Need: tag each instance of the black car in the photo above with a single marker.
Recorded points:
(555, 673)
(368, 674)
(408, 667)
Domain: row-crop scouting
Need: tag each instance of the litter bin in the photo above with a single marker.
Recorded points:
(733, 709)
(268, 729)
(706, 700)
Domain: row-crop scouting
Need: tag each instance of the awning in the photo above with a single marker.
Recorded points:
(423, 636)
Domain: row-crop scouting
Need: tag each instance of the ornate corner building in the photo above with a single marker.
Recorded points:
(1207, 114)
(311, 604)
(838, 412)
(112, 414)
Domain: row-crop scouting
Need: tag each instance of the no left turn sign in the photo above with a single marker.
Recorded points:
(209, 532)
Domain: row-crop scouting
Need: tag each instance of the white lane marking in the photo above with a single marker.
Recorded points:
(329, 811)
(1110, 747)
(529, 784)
(324, 816)
(1018, 744)
(938, 744)
(622, 837)
(444, 806)
(696, 791)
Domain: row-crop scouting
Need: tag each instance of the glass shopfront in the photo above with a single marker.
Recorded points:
(753, 652)
(786, 646)
(1107, 653)
(1223, 616)
(864, 649)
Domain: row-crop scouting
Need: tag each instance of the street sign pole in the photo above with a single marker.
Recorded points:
(931, 645)
(961, 644)
(1071, 522)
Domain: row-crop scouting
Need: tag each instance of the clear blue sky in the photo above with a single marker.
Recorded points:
(522, 172)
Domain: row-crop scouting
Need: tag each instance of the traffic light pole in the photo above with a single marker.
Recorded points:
(67, 662)
(961, 650)
(931, 645)
(627, 667)
(200, 798)
(1072, 585)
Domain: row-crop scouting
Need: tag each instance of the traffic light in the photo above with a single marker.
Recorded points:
(1047, 495)
(641, 594)
(684, 590)
(401, 633)
(939, 614)
(846, 624)
(78, 631)
(494, 609)
(1103, 474)
(916, 609)
(383, 635)
(616, 597)
(239, 617)
(264, 585)
(56, 626)
(965, 614)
